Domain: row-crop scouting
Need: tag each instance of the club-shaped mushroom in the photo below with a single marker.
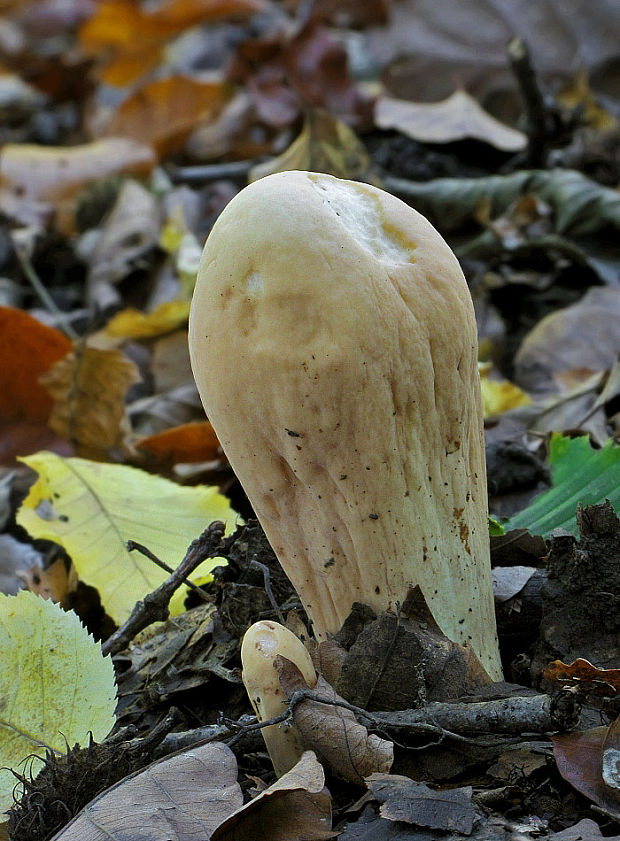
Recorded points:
(262, 643)
(333, 341)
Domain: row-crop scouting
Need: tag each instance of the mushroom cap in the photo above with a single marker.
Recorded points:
(334, 345)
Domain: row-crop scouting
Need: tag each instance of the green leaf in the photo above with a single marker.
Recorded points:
(495, 527)
(93, 509)
(55, 686)
(578, 474)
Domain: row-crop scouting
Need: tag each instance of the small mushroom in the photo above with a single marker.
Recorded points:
(334, 345)
(262, 643)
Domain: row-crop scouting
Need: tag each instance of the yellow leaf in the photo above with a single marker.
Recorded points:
(499, 395)
(134, 324)
(55, 686)
(93, 509)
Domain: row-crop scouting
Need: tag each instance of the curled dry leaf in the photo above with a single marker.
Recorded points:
(584, 676)
(456, 118)
(36, 180)
(198, 787)
(295, 808)
(89, 387)
(333, 731)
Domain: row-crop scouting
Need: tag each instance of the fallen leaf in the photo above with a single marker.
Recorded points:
(131, 36)
(184, 796)
(578, 94)
(325, 144)
(187, 444)
(408, 801)
(163, 113)
(554, 345)
(499, 395)
(129, 232)
(295, 808)
(611, 758)
(584, 676)
(133, 324)
(93, 509)
(28, 349)
(458, 117)
(55, 685)
(333, 732)
(36, 180)
(89, 387)
(509, 581)
(579, 757)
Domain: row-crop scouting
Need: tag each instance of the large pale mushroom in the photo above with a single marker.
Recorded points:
(333, 342)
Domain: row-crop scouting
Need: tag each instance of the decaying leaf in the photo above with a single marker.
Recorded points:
(35, 180)
(295, 808)
(325, 144)
(184, 796)
(89, 387)
(56, 688)
(93, 509)
(584, 676)
(333, 732)
(163, 112)
(408, 801)
(456, 118)
(579, 757)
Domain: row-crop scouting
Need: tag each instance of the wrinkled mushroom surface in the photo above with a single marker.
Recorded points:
(333, 341)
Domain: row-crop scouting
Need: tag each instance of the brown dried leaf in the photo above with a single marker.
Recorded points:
(325, 144)
(579, 757)
(415, 803)
(295, 808)
(89, 387)
(332, 731)
(186, 795)
(188, 443)
(164, 112)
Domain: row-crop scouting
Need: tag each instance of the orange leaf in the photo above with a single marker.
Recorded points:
(134, 37)
(27, 349)
(584, 676)
(164, 112)
(188, 443)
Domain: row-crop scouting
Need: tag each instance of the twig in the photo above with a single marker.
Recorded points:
(267, 585)
(210, 172)
(538, 123)
(155, 606)
(132, 545)
(21, 251)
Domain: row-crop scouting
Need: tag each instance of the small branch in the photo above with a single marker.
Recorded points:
(155, 606)
(267, 585)
(132, 546)
(538, 122)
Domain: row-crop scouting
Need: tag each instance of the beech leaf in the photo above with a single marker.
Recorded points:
(93, 509)
(56, 688)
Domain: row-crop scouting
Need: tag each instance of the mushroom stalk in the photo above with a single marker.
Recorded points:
(334, 345)
(262, 643)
